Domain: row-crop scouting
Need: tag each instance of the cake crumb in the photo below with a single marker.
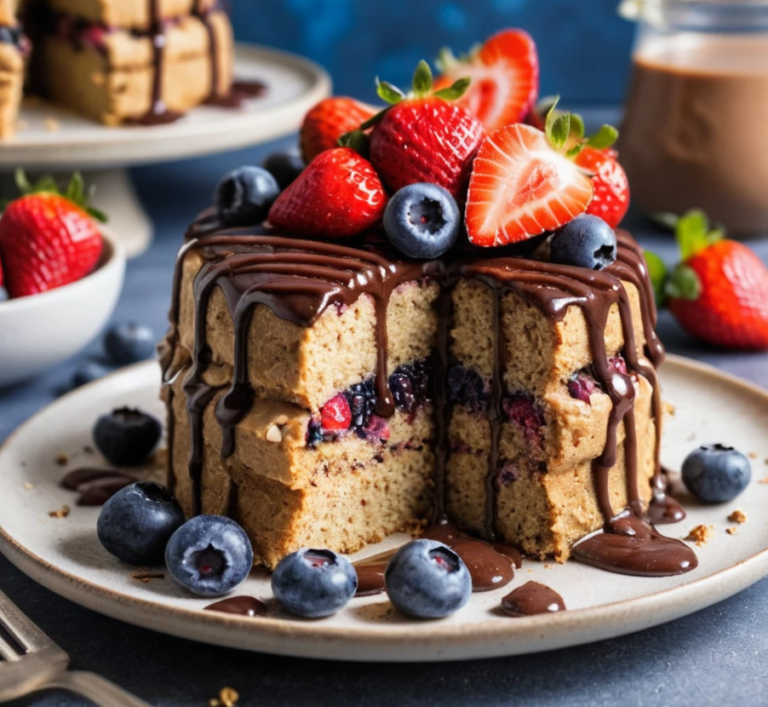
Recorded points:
(62, 459)
(763, 481)
(701, 534)
(731, 530)
(28, 485)
(228, 697)
(738, 516)
(51, 125)
(63, 512)
(145, 576)
(752, 455)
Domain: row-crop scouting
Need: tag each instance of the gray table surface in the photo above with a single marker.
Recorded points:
(718, 656)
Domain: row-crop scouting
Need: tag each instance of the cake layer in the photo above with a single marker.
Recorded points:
(11, 86)
(288, 494)
(131, 14)
(308, 364)
(112, 77)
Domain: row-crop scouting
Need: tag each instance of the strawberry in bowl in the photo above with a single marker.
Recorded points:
(62, 273)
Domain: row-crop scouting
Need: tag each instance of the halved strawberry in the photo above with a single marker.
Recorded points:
(505, 78)
(521, 186)
(327, 121)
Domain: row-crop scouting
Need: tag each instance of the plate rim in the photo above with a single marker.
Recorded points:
(290, 637)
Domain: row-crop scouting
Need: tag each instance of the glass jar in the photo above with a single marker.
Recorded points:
(695, 132)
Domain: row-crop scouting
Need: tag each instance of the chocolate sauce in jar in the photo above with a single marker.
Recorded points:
(532, 599)
(240, 606)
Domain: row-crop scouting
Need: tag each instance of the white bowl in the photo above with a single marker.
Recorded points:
(39, 331)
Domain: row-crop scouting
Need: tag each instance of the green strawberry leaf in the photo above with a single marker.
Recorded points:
(577, 126)
(357, 140)
(551, 118)
(657, 273)
(456, 91)
(389, 93)
(693, 233)
(665, 219)
(422, 80)
(561, 129)
(684, 284)
(98, 215)
(446, 61)
(603, 138)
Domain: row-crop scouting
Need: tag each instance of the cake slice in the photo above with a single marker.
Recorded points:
(258, 350)
(14, 49)
(104, 64)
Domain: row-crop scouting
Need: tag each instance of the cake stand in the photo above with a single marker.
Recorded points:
(53, 140)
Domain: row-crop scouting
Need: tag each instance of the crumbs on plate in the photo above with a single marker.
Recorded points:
(63, 512)
(228, 697)
(701, 534)
(145, 576)
(738, 516)
(62, 459)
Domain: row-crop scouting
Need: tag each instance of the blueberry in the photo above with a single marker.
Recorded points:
(422, 220)
(244, 196)
(129, 343)
(314, 583)
(126, 436)
(88, 372)
(428, 580)
(284, 167)
(209, 555)
(587, 242)
(716, 473)
(137, 522)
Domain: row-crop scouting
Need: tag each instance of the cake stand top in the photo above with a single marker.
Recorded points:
(55, 139)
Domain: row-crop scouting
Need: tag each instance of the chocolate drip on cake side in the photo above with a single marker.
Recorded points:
(158, 113)
(627, 544)
(297, 280)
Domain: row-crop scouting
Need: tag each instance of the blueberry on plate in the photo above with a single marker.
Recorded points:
(129, 343)
(284, 167)
(314, 583)
(126, 436)
(244, 196)
(427, 580)
(137, 522)
(715, 473)
(209, 555)
(587, 242)
(422, 220)
(88, 372)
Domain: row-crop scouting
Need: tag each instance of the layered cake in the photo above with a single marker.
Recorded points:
(130, 61)
(443, 332)
(14, 48)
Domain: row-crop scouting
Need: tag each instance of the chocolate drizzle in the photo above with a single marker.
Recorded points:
(531, 599)
(299, 279)
(240, 606)
(158, 113)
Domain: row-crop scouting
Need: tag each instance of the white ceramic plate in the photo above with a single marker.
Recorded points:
(64, 555)
(294, 86)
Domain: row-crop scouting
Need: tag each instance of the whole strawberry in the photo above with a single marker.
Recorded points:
(719, 292)
(326, 122)
(424, 137)
(338, 195)
(611, 199)
(48, 239)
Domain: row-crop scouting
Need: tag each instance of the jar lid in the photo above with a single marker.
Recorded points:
(698, 15)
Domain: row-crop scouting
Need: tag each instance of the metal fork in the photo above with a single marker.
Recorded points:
(31, 661)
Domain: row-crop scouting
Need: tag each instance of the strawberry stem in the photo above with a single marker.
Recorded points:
(75, 191)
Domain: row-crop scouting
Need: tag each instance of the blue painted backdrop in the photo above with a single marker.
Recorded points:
(583, 45)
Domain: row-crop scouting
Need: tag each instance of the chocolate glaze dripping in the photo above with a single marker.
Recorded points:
(298, 280)
(240, 606)
(531, 599)
(158, 113)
